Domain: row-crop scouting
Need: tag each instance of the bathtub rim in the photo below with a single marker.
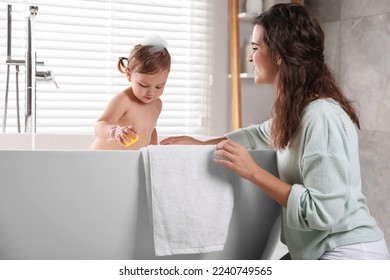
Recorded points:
(58, 141)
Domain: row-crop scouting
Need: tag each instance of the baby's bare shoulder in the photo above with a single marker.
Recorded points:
(122, 96)
(158, 104)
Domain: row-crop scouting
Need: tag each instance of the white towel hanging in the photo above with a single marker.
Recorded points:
(190, 198)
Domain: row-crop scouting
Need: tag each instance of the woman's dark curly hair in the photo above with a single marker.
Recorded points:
(294, 35)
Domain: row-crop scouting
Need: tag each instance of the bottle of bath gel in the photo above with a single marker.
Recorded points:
(132, 140)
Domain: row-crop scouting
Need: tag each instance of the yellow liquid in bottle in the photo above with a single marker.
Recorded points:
(132, 140)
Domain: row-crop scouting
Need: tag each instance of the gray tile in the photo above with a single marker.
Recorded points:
(365, 68)
(269, 3)
(326, 11)
(358, 8)
(375, 167)
(332, 45)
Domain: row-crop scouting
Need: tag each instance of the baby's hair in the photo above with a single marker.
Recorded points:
(146, 59)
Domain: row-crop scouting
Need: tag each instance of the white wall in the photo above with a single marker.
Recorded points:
(257, 100)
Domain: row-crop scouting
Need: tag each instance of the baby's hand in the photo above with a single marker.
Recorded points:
(124, 135)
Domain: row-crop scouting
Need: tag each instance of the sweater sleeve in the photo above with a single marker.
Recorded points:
(319, 202)
(253, 137)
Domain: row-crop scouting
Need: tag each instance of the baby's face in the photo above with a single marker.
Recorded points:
(148, 88)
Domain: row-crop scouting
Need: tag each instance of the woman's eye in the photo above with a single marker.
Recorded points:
(254, 49)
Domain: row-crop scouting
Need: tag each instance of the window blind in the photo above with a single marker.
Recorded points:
(80, 42)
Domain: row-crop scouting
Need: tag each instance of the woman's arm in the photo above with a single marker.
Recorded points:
(187, 140)
(235, 157)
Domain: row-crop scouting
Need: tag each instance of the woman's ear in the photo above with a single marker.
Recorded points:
(278, 60)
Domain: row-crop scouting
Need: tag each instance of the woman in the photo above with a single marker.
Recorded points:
(325, 215)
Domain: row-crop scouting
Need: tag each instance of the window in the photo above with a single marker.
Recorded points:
(80, 41)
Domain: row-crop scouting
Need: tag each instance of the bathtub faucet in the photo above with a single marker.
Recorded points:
(31, 74)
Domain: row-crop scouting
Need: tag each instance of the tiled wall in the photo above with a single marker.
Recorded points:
(357, 48)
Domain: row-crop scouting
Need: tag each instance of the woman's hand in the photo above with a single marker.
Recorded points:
(181, 140)
(235, 157)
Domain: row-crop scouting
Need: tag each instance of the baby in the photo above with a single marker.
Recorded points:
(129, 120)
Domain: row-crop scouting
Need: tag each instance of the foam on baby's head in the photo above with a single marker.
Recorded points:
(147, 57)
(155, 41)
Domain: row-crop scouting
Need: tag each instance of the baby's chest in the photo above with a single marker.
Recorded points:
(145, 116)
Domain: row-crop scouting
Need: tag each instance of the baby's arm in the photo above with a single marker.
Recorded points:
(107, 127)
(109, 119)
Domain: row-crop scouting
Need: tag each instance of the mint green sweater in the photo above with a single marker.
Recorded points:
(326, 206)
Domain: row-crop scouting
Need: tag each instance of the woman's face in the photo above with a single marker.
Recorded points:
(265, 68)
(148, 87)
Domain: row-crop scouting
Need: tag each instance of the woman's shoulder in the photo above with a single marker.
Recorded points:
(323, 109)
(325, 113)
(326, 116)
(323, 105)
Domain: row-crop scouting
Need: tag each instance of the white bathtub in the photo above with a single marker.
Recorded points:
(63, 202)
